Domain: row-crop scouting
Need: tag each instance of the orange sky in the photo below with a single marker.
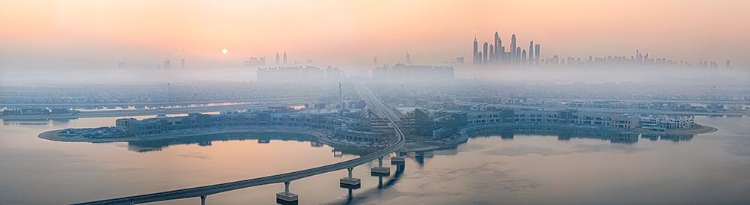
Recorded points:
(345, 33)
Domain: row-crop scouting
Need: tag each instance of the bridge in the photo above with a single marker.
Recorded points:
(285, 197)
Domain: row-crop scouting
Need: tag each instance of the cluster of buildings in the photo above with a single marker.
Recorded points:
(566, 133)
(443, 124)
(34, 113)
(254, 61)
(639, 59)
(343, 127)
(279, 117)
(398, 72)
(616, 104)
(496, 53)
(617, 121)
(403, 72)
(298, 74)
(359, 127)
(493, 53)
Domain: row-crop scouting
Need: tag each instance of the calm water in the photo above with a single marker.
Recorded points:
(527, 169)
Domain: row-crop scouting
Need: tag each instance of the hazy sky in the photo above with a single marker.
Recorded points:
(42, 33)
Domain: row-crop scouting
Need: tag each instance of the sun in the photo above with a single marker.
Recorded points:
(224, 51)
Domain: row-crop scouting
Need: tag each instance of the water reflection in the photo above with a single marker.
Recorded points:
(383, 183)
(568, 133)
(393, 180)
(206, 140)
(9, 122)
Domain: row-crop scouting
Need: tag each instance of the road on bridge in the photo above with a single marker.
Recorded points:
(202, 191)
(376, 106)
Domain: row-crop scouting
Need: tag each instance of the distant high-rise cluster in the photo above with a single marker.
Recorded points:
(637, 60)
(254, 61)
(496, 53)
(403, 72)
(298, 74)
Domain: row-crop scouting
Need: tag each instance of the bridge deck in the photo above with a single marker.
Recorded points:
(279, 178)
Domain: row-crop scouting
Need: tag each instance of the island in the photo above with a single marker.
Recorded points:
(425, 130)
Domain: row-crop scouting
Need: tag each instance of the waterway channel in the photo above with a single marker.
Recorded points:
(502, 168)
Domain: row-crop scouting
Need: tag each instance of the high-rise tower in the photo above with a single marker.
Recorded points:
(537, 51)
(496, 54)
(492, 54)
(341, 100)
(523, 57)
(531, 53)
(476, 50)
(484, 53)
(500, 50)
(513, 46)
(517, 60)
(284, 57)
(278, 60)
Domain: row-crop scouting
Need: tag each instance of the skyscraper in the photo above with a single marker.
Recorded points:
(278, 60)
(531, 53)
(523, 57)
(484, 53)
(496, 54)
(638, 57)
(728, 65)
(503, 54)
(476, 50)
(537, 51)
(517, 60)
(500, 50)
(513, 47)
(492, 54)
(284, 57)
(479, 57)
(341, 100)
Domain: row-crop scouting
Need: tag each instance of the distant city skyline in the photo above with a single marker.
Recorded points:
(48, 34)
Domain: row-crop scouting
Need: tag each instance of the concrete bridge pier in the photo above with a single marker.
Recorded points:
(203, 200)
(398, 159)
(350, 182)
(286, 197)
(380, 170)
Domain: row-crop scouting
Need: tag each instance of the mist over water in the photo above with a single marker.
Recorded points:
(497, 74)
(462, 102)
(489, 169)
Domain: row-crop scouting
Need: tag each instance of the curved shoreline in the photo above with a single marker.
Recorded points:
(699, 129)
(53, 135)
(461, 137)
